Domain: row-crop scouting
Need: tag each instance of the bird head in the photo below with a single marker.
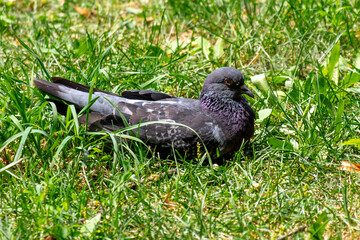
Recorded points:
(226, 81)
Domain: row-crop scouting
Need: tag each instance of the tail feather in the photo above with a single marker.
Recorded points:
(70, 92)
(78, 94)
(47, 87)
(76, 86)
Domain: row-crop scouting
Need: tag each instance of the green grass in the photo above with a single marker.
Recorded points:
(57, 179)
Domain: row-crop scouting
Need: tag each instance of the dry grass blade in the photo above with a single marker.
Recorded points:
(350, 167)
(170, 204)
(292, 232)
(82, 11)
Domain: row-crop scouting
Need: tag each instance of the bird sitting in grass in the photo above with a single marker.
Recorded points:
(222, 117)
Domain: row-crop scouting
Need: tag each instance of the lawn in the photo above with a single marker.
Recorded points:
(301, 60)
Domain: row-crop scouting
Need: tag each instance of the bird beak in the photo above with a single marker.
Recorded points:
(245, 90)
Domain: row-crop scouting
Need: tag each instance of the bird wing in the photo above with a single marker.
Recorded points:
(177, 122)
(145, 95)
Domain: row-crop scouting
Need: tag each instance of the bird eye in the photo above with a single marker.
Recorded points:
(228, 81)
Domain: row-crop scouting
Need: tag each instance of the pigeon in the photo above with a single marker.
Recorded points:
(221, 119)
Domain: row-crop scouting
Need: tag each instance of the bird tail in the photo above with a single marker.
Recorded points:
(101, 116)
(63, 89)
(75, 93)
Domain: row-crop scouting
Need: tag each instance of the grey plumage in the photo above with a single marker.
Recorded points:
(222, 117)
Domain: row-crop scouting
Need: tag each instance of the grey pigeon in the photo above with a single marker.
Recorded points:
(222, 117)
